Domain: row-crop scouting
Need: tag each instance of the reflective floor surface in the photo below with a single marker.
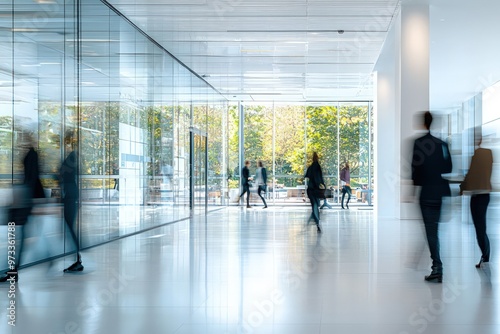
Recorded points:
(241, 270)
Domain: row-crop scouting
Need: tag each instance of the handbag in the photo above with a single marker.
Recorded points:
(320, 192)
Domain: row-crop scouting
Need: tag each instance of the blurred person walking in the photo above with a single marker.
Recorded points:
(22, 205)
(315, 188)
(431, 158)
(245, 182)
(261, 179)
(477, 184)
(69, 185)
(345, 181)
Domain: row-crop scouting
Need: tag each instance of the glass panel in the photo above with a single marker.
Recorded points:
(233, 169)
(199, 172)
(355, 148)
(287, 184)
(128, 104)
(216, 157)
(322, 137)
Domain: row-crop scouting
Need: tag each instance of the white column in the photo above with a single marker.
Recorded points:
(402, 93)
(387, 134)
(415, 49)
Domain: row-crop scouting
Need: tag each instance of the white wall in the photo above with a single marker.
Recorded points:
(402, 97)
(387, 130)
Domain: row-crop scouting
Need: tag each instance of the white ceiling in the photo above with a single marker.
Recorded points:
(464, 52)
(258, 50)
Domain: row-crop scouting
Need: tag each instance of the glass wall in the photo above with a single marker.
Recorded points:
(80, 68)
(283, 137)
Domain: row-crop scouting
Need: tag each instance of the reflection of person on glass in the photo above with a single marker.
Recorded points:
(431, 158)
(314, 174)
(22, 205)
(69, 187)
(116, 171)
(261, 179)
(345, 180)
(245, 182)
(477, 184)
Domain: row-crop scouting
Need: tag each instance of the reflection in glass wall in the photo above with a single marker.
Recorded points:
(130, 104)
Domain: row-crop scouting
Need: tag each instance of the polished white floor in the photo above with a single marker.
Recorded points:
(241, 270)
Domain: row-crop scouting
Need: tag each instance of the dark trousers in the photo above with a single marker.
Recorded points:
(314, 205)
(259, 191)
(431, 211)
(70, 211)
(346, 190)
(246, 189)
(19, 216)
(478, 206)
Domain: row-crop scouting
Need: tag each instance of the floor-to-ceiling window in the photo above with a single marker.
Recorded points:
(80, 67)
(284, 135)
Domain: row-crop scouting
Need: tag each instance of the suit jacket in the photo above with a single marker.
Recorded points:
(245, 174)
(478, 178)
(68, 175)
(32, 174)
(431, 158)
(315, 175)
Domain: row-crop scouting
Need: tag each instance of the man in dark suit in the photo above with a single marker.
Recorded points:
(431, 158)
(245, 182)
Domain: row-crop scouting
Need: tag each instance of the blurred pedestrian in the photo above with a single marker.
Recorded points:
(245, 182)
(431, 158)
(261, 179)
(22, 205)
(315, 187)
(345, 181)
(478, 185)
(69, 186)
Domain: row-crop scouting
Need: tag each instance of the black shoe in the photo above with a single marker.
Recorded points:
(77, 266)
(481, 261)
(347, 206)
(9, 276)
(248, 206)
(265, 207)
(319, 228)
(342, 207)
(434, 276)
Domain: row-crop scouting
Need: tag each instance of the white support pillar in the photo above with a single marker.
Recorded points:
(402, 84)
(415, 62)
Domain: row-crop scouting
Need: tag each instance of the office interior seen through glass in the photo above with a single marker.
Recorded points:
(153, 138)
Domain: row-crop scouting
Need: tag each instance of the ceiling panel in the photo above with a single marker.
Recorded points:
(305, 49)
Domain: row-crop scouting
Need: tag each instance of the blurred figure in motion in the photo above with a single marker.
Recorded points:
(245, 182)
(69, 187)
(261, 179)
(477, 183)
(22, 204)
(431, 158)
(345, 180)
(315, 188)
